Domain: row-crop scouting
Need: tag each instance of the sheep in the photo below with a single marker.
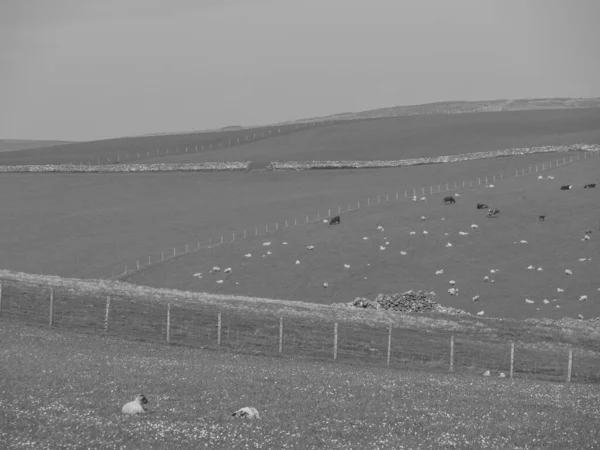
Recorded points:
(310, 247)
(523, 241)
(297, 261)
(198, 275)
(448, 244)
(486, 373)
(493, 271)
(387, 243)
(403, 253)
(266, 244)
(136, 406)
(451, 282)
(439, 272)
(542, 218)
(502, 375)
(580, 316)
(530, 267)
(228, 270)
(560, 290)
(463, 233)
(412, 233)
(474, 226)
(540, 177)
(568, 272)
(550, 177)
(219, 281)
(380, 228)
(476, 298)
(583, 298)
(268, 252)
(425, 233)
(216, 269)
(545, 301)
(246, 412)
(480, 313)
(529, 301)
(382, 247)
(539, 269)
(491, 185)
(414, 199)
(347, 266)
(423, 199)
(325, 284)
(365, 238)
(284, 243)
(423, 219)
(453, 291)
(486, 278)
(248, 255)
(586, 237)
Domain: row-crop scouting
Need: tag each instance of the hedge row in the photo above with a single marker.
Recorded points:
(187, 167)
(308, 165)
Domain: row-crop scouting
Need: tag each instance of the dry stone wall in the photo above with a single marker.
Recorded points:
(115, 168)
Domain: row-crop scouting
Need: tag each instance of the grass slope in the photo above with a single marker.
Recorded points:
(555, 245)
(89, 225)
(62, 390)
(9, 145)
(418, 136)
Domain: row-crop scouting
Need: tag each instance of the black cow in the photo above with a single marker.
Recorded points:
(449, 199)
(334, 220)
(566, 187)
(590, 186)
(542, 218)
(482, 206)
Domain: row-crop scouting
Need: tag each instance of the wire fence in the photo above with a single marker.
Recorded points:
(412, 194)
(194, 142)
(214, 327)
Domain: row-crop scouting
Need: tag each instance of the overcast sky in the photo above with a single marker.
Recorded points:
(90, 69)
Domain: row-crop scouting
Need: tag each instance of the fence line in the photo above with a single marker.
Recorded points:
(485, 181)
(203, 325)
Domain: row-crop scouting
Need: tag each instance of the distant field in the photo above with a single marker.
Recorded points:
(418, 136)
(555, 245)
(86, 379)
(89, 225)
(10, 145)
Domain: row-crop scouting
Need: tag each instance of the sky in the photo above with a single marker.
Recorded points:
(88, 69)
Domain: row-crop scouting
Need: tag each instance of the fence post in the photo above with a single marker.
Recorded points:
(168, 323)
(138, 265)
(150, 260)
(186, 248)
(162, 256)
(51, 319)
(219, 329)
(451, 353)
(329, 213)
(512, 359)
(280, 334)
(335, 340)
(106, 314)
(339, 209)
(221, 239)
(0, 299)
(570, 366)
(389, 353)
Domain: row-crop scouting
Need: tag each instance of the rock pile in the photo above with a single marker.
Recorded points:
(409, 301)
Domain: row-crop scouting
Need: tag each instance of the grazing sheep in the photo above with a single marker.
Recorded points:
(451, 282)
(582, 259)
(268, 252)
(423, 219)
(486, 373)
(284, 243)
(491, 185)
(539, 269)
(216, 269)
(448, 244)
(545, 301)
(248, 255)
(439, 272)
(365, 238)
(228, 270)
(550, 177)
(586, 237)
(425, 232)
(347, 266)
(380, 228)
(412, 233)
(453, 291)
(523, 241)
(568, 272)
(310, 247)
(403, 253)
(198, 275)
(266, 244)
(529, 301)
(476, 298)
(530, 267)
(540, 177)
(583, 298)
(387, 243)
(247, 412)
(325, 284)
(502, 375)
(493, 270)
(136, 406)
(449, 199)
(335, 220)
(381, 247)
(457, 194)
(486, 278)
(580, 316)
(474, 226)
(560, 290)
(480, 313)
(219, 281)
(297, 261)
(423, 199)
(414, 199)
(463, 233)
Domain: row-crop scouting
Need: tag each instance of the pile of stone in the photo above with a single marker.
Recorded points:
(409, 301)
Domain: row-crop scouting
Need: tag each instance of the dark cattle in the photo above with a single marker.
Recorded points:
(566, 187)
(542, 218)
(482, 206)
(334, 220)
(589, 186)
(449, 199)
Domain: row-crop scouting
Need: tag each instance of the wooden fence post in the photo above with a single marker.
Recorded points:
(335, 340)
(280, 334)
(451, 353)
(512, 359)
(168, 323)
(51, 319)
(0, 299)
(389, 353)
(570, 366)
(106, 314)
(219, 329)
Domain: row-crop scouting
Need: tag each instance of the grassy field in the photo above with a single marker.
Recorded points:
(10, 145)
(64, 390)
(90, 225)
(555, 245)
(418, 136)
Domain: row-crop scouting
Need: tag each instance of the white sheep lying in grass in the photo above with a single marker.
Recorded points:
(228, 270)
(568, 272)
(136, 406)
(583, 298)
(480, 313)
(310, 247)
(439, 272)
(216, 269)
(380, 228)
(474, 226)
(266, 244)
(247, 412)
(248, 255)
(451, 282)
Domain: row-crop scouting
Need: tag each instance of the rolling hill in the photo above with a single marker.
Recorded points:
(11, 145)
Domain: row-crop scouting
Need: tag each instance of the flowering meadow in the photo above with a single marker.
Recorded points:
(64, 390)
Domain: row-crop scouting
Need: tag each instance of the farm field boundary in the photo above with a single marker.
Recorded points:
(414, 194)
(200, 320)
